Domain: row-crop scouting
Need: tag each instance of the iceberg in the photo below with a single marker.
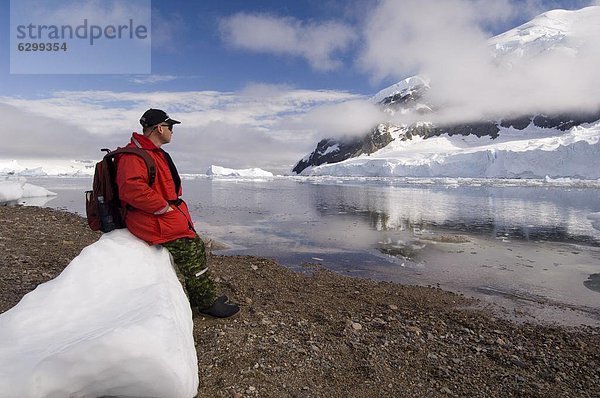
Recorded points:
(12, 189)
(115, 322)
(249, 173)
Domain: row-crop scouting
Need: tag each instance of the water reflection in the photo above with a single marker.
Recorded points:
(548, 214)
(289, 214)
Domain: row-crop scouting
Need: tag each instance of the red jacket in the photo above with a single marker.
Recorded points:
(147, 217)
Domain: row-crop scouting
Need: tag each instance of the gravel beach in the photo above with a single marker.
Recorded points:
(320, 334)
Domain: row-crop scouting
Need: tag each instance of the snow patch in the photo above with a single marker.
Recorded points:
(331, 149)
(115, 322)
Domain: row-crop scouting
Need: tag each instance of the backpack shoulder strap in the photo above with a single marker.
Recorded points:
(173, 170)
(141, 153)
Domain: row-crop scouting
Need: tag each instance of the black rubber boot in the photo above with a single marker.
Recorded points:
(220, 308)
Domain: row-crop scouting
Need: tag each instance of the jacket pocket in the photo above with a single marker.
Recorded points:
(172, 225)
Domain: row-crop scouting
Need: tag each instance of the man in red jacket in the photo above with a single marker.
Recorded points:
(157, 214)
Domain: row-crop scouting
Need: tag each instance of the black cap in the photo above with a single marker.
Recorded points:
(153, 117)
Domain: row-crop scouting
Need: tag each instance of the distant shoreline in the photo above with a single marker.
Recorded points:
(302, 334)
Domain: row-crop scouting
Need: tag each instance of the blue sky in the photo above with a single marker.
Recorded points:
(229, 55)
(189, 45)
(190, 48)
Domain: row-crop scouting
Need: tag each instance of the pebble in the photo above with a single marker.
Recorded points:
(567, 361)
(414, 329)
(356, 326)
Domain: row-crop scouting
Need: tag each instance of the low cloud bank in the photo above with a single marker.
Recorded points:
(255, 127)
(470, 79)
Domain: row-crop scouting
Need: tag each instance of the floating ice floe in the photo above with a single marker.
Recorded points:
(12, 189)
(115, 322)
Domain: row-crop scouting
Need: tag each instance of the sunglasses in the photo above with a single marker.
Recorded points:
(169, 126)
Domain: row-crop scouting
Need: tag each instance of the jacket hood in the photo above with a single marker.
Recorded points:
(141, 141)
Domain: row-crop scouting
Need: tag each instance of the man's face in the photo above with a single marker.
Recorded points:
(165, 132)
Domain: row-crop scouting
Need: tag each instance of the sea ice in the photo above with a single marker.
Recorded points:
(115, 322)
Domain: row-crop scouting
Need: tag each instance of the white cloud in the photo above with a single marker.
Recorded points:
(446, 41)
(402, 38)
(255, 127)
(348, 118)
(95, 11)
(28, 135)
(152, 79)
(318, 43)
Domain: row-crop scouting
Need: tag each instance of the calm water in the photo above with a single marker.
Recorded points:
(514, 245)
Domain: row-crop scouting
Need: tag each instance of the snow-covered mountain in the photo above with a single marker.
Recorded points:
(557, 30)
(560, 144)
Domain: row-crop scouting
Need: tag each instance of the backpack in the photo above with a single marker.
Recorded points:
(102, 204)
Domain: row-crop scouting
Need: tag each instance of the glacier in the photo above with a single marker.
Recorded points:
(530, 153)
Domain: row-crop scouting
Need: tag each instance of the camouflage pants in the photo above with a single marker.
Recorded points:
(189, 257)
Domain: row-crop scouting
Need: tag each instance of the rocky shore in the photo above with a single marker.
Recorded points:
(320, 334)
